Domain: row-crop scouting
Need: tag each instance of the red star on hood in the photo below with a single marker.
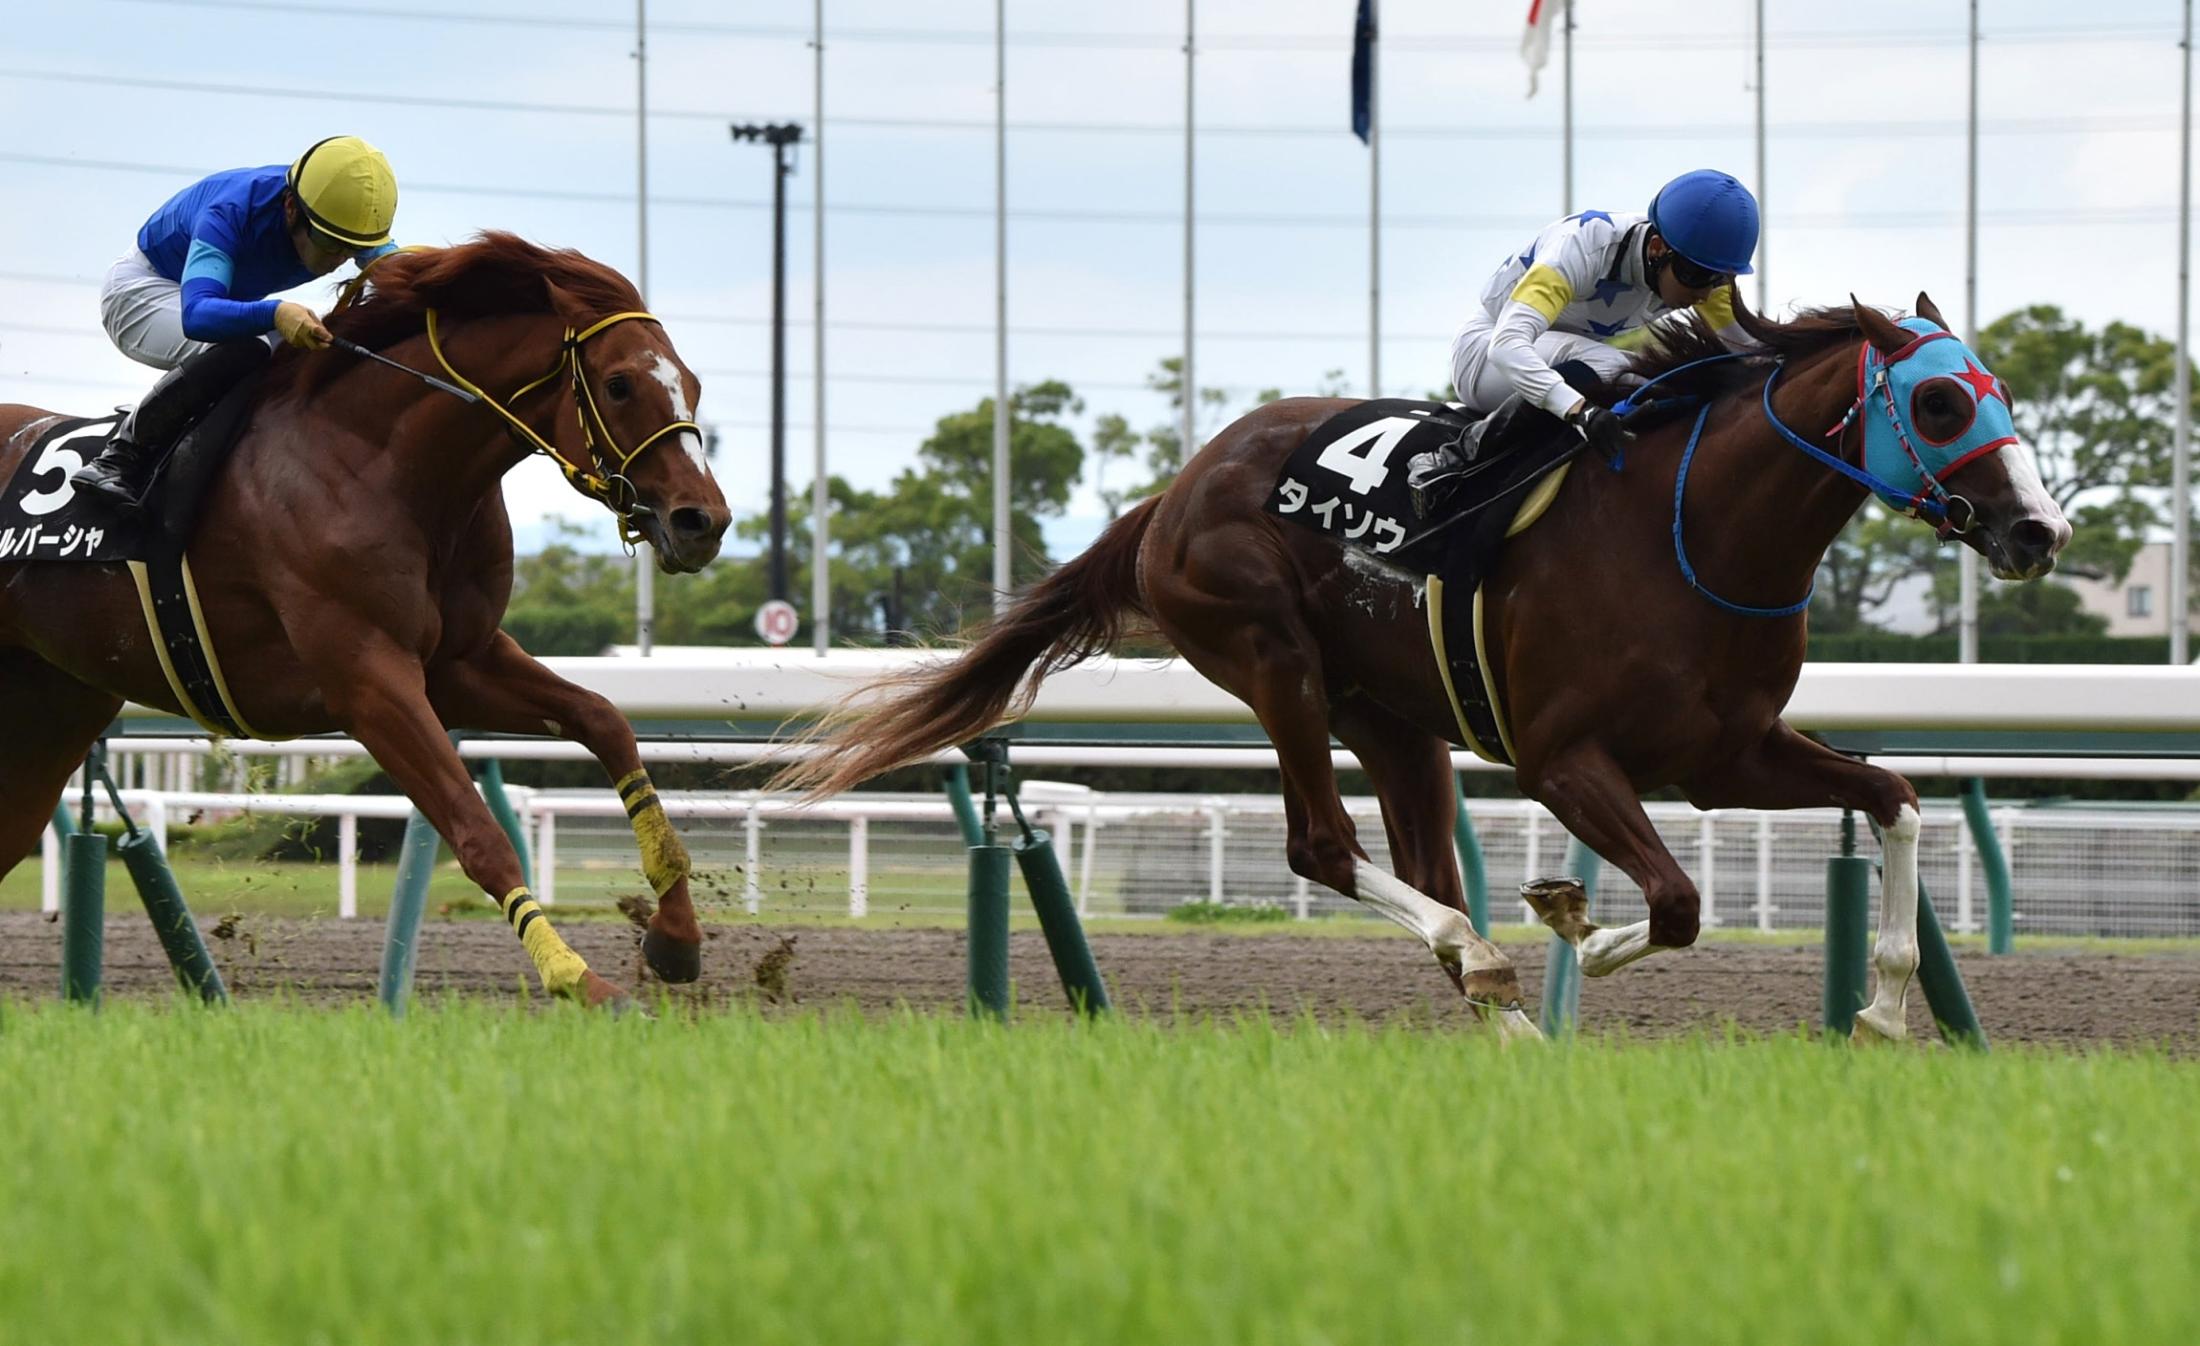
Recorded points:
(1983, 384)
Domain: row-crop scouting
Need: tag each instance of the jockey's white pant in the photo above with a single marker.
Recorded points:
(1481, 384)
(142, 311)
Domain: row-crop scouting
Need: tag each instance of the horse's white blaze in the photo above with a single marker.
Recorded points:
(664, 371)
(667, 373)
(1895, 955)
(2024, 478)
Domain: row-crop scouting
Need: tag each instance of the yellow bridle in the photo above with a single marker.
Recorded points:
(607, 483)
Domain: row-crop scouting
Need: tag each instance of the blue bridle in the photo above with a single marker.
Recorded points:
(1910, 481)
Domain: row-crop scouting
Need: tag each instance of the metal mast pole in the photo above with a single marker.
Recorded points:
(2180, 561)
(1966, 559)
(645, 568)
(1001, 539)
(1567, 60)
(1764, 281)
(1375, 209)
(821, 589)
(1187, 387)
(779, 370)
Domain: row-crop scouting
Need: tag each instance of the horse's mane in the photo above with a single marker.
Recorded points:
(493, 274)
(1687, 337)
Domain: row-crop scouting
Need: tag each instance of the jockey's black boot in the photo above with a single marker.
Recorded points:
(1434, 478)
(134, 451)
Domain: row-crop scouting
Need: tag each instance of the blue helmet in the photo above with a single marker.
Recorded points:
(1709, 218)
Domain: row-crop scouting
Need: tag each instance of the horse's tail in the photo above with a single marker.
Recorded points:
(1073, 614)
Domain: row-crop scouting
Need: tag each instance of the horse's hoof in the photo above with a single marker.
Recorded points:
(599, 994)
(1492, 986)
(675, 961)
(1561, 904)
(1868, 1031)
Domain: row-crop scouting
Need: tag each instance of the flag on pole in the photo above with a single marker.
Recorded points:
(1535, 43)
(1363, 71)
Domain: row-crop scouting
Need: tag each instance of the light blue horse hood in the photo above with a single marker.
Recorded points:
(1935, 353)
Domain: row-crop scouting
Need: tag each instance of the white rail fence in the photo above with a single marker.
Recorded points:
(2123, 871)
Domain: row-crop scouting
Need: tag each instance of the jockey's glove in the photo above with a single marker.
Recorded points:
(1606, 433)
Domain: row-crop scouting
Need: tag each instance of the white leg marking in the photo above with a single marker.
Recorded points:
(1448, 934)
(1895, 955)
(1604, 952)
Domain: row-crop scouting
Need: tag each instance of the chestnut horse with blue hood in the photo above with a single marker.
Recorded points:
(353, 559)
(1644, 634)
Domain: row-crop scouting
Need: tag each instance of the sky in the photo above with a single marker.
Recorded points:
(520, 114)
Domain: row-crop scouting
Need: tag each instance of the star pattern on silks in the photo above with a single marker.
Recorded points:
(1610, 289)
(1528, 258)
(1587, 215)
(1983, 384)
(1605, 329)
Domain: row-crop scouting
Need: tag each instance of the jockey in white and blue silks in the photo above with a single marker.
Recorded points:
(1586, 284)
(191, 295)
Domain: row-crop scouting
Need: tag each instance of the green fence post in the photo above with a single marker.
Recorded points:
(1848, 908)
(163, 899)
(64, 822)
(1942, 982)
(500, 807)
(989, 932)
(401, 937)
(987, 916)
(1471, 869)
(2000, 900)
(1562, 966)
(164, 904)
(956, 779)
(1065, 934)
(83, 915)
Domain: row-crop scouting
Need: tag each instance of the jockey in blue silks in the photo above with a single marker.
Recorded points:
(190, 296)
(1576, 294)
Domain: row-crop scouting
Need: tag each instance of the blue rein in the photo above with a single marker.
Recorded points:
(1634, 402)
(1680, 548)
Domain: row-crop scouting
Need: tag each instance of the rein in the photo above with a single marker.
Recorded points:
(1932, 504)
(604, 480)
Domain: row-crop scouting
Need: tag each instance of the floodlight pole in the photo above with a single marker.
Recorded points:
(781, 137)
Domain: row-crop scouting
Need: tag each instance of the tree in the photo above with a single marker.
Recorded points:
(569, 601)
(1871, 557)
(916, 557)
(1159, 452)
(2097, 410)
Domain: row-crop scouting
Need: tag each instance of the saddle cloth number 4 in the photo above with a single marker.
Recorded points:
(1362, 458)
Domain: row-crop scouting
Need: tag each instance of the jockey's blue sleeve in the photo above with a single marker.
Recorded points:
(209, 314)
(362, 258)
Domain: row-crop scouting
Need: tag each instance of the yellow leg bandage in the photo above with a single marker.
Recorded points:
(561, 969)
(664, 858)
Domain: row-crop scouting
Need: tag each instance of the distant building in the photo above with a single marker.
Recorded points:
(2138, 605)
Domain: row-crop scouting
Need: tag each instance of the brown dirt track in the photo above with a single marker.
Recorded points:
(2071, 997)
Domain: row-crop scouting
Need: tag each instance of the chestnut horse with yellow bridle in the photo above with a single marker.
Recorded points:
(354, 559)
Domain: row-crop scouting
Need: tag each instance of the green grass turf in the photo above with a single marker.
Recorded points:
(477, 1174)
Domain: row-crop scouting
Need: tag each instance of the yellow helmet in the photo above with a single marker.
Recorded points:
(347, 191)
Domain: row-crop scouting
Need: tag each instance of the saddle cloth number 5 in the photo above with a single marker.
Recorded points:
(56, 457)
(1362, 458)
